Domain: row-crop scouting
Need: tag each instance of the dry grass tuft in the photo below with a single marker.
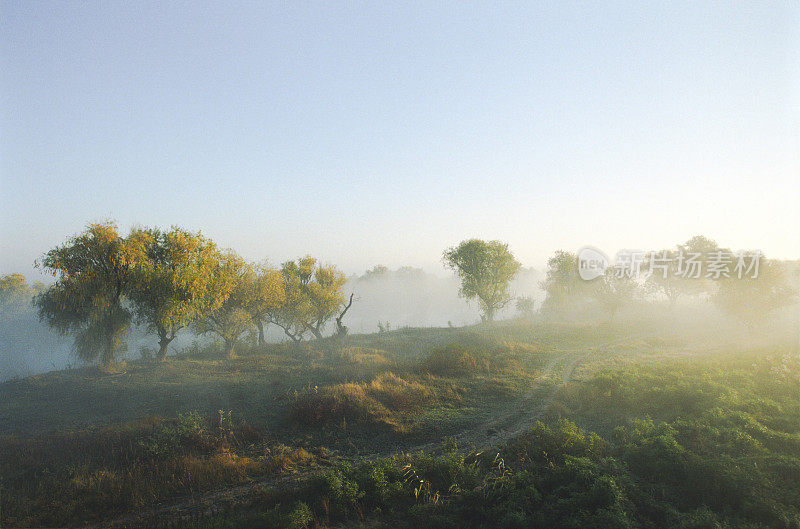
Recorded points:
(476, 357)
(379, 401)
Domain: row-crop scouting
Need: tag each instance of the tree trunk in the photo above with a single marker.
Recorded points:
(260, 325)
(294, 337)
(108, 354)
(316, 332)
(489, 313)
(230, 353)
(341, 329)
(163, 343)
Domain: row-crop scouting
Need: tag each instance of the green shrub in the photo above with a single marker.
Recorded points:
(172, 437)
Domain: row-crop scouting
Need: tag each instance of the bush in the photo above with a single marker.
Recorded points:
(170, 438)
(375, 402)
(472, 357)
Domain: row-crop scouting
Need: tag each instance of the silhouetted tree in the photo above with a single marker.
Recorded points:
(563, 287)
(525, 306)
(752, 300)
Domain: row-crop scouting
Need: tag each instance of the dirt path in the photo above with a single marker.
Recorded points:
(512, 419)
(523, 413)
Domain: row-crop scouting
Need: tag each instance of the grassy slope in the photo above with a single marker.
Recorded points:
(81, 445)
(254, 386)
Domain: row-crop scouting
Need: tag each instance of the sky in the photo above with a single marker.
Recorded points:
(381, 132)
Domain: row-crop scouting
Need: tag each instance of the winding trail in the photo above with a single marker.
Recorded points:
(514, 418)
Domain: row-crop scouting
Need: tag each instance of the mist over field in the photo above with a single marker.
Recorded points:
(350, 265)
(405, 297)
(384, 300)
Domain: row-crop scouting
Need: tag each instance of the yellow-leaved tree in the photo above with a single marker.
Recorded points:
(93, 272)
(178, 279)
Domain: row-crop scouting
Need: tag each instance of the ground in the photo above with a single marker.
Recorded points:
(295, 436)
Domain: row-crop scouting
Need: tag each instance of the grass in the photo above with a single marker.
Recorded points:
(84, 445)
(61, 478)
(382, 401)
(711, 442)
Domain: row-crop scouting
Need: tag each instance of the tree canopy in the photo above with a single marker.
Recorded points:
(262, 295)
(93, 271)
(752, 300)
(176, 280)
(313, 296)
(230, 319)
(485, 269)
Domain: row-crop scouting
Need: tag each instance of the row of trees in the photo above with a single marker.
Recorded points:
(750, 299)
(168, 281)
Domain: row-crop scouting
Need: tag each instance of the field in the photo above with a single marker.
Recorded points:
(516, 424)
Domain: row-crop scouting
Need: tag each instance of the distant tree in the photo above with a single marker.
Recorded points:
(752, 300)
(485, 269)
(375, 272)
(699, 244)
(93, 272)
(563, 287)
(263, 295)
(613, 292)
(525, 306)
(699, 249)
(662, 276)
(681, 271)
(230, 319)
(176, 280)
(313, 296)
(15, 293)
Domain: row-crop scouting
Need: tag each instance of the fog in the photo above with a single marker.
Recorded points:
(405, 297)
(387, 300)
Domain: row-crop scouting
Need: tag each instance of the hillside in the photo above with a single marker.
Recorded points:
(199, 435)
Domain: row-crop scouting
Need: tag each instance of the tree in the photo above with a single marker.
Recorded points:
(485, 270)
(752, 300)
(230, 319)
(93, 272)
(613, 292)
(564, 289)
(525, 306)
(341, 329)
(176, 280)
(681, 271)
(663, 276)
(262, 295)
(15, 293)
(375, 272)
(313, 296)
(701, 249)
(290, 315)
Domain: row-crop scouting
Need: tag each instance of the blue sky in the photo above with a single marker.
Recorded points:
(382, 132)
